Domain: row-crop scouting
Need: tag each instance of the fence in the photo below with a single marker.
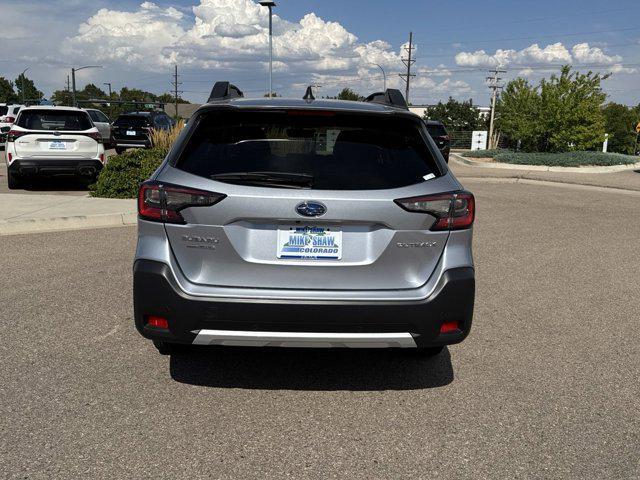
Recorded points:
(462, 140)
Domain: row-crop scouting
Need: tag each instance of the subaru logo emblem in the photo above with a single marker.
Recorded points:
(311, 209)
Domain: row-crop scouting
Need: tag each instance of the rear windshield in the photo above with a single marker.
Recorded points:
(131, 121)
(54, 120)
(98, 116)
(321, 150)
(436, 130)
(3, 110)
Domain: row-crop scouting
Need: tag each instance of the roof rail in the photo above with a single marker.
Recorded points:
(391, 96)
(308, 95)
(224, 91)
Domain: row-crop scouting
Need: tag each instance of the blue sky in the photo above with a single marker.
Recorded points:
(458, 41)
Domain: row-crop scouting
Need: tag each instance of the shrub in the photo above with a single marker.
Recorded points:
(163, 139)
(123, 174)
(566, 159)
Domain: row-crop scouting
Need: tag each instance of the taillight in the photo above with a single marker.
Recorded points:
(446, 138)
(453, 211)
(95, 135)
(13, 135)
(102, 158)
(9, 119)
(162, 203)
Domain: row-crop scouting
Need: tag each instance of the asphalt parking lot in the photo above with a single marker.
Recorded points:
(546, 386)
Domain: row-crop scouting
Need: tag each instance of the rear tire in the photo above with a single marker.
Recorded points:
(13, 181)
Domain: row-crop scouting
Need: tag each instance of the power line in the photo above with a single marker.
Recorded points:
(408, 62)
(176, 84)
(494, 85)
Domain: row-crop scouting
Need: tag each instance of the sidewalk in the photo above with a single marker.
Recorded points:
(625, 180)
(27, 213)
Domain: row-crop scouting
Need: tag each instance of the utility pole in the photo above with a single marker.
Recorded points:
(176, 84)
(68, 89)
(408, 62)
(494, 85)
(108, 85)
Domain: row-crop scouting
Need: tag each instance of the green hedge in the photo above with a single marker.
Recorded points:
(567, 159)
(123, 174)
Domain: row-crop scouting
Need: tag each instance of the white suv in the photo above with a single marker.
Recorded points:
(50, 141)
(8, 113)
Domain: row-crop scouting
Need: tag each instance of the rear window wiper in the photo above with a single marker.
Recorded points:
(284, 179)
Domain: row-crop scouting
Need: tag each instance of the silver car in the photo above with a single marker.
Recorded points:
(304, 223)
(102, 123)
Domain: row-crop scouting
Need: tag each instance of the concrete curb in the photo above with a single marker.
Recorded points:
(551, 183)
(80, 222)
(542, 168)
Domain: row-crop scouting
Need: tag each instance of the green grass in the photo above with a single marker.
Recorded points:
(567, 159)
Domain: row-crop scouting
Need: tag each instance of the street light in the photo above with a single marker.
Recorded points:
(22, 87)
(73, 80)
(270, 4)
(384, 75)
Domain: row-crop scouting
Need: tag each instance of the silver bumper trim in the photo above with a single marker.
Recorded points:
(303, 339)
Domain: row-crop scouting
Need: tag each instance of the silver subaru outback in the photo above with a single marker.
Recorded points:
(304, 223)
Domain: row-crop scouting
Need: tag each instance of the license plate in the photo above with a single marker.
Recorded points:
(312, 243)
(57, 145)
(131, 132)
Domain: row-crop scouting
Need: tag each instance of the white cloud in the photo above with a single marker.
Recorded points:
(533, 55)
(587, 55)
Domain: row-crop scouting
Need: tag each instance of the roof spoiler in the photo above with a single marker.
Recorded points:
(391, 96)
(308, 95)
(224, 91)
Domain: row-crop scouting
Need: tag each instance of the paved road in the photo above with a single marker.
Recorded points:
(546, 386)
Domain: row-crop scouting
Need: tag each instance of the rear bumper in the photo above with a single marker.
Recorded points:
(56, 166)
(315, 323)
(131, 143)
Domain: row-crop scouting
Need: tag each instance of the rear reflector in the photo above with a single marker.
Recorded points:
(450, 327)
(162, 203)
(157, 322)
(453, 211)
(10, 157)
(102, 158)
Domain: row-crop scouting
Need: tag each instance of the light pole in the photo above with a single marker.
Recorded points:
(108, 85)
(384, 75)
(270, 4)
(73, 81)
(22, 82)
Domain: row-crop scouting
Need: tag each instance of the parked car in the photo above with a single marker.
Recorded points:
(3, 136)
(304, 223)
(440, 136)
(8, 112)
(102, 123)
(133, 129)
(52, 141)
(8, 115)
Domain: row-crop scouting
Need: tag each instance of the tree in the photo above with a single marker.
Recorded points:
(348, 94)
(7, 94)
(168, 98)
(30, 90)
(563, 113)
(456, 116)
(620, 124)
(517, 114)
(62, 97)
